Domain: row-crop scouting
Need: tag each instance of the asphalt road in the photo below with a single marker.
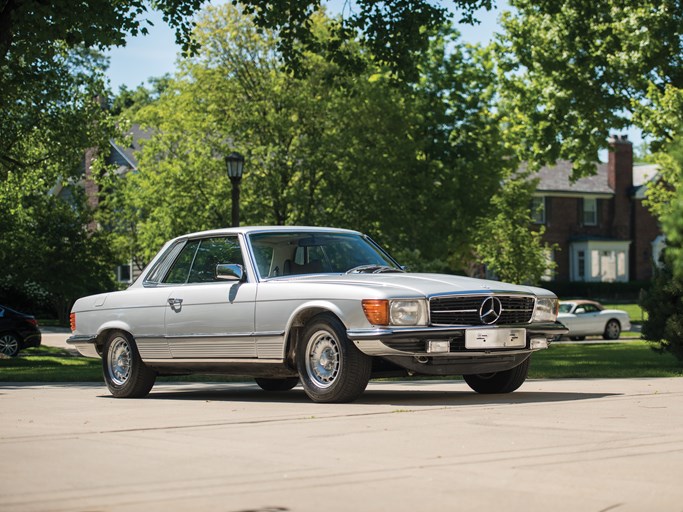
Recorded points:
(558, 445)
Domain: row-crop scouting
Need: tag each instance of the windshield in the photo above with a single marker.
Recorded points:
(566, 307)
(299, 253)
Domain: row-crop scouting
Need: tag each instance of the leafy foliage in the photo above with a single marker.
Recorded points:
(504, 242)
(45, 249)
(665, 199)
(396, 33)
(664, 305)
(575, 70)
(50, 117)
(325, 147)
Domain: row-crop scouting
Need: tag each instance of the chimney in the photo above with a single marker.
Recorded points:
(620, 163)
(620, 179)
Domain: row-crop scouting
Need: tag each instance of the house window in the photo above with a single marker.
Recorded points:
(600, 261)
(590, 212)
(581, 265)
(538, 210)
(123, 274)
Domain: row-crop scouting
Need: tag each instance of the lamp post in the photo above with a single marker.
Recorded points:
(235, 163)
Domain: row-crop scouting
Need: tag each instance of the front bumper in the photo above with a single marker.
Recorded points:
(413, 341)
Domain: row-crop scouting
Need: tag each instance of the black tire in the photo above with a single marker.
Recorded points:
(124, 372)
(331, 368)
(9, 344)
(577, 338)
(612, 330)
(277, 384)
(500, 382)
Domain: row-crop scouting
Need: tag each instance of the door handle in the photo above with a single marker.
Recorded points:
(175, 302)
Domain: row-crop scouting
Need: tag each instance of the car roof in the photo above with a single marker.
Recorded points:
(247, 230)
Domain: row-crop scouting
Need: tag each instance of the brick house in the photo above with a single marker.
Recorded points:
(602, 230)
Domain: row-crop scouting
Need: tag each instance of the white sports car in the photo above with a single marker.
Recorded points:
(327, 307)
(589, 318)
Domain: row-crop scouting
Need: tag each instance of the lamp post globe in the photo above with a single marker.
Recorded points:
(235, 164)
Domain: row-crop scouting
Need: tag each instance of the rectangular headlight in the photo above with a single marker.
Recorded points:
(546, 310)
(408, 312)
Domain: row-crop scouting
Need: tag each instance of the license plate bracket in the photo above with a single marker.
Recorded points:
(495, 338)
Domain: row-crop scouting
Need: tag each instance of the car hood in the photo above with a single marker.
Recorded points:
(420, 284)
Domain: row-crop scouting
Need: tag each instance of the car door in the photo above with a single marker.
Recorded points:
(592, 322)
(208, 317)
(586, 320)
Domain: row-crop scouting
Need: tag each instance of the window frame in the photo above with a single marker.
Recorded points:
(593, 212)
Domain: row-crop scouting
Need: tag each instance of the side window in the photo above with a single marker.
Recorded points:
(263, 255)
(181, 266)
(590, 212)
(211, 252)
(538, 210)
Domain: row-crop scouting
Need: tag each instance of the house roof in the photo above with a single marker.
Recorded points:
(556, 178)
(124, 157)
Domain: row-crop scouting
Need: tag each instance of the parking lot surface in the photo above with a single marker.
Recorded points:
(560, 445)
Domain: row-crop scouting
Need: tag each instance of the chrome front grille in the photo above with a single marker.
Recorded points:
(467, 309)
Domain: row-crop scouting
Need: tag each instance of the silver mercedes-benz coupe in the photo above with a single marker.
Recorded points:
(325, 307)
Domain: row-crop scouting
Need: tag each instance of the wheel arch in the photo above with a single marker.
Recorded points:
(107, 329)
(300, 317)
(16, 334)
(613, 318)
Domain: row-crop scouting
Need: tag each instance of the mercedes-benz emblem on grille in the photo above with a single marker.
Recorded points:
(490, 310)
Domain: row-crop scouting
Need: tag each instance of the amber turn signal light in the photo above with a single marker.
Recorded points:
(376, 311)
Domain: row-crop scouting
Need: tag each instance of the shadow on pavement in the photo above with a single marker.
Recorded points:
(405, 397)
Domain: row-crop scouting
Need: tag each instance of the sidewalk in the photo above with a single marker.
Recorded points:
(56, 337)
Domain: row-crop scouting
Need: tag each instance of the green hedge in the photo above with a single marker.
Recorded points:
(613, 292)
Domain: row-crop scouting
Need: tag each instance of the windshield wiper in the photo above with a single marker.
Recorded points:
(372, 269)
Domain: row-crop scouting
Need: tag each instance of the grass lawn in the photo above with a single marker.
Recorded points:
(49, 364)
(561, 360)
(603, 360)
(635, 312)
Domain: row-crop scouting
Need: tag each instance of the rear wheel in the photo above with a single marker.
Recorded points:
(499, 382)
(612, 330)
(9, 344)
(124, 372)
(277, 384)
(331, 368)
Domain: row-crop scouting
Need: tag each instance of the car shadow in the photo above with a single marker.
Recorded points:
(400, 394)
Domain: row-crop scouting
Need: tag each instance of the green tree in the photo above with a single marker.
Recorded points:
(45, 130)
(574, 71)
(505, 243)
(46, 251)
(665, 200)
(664, 305)
(325, 147)
(396, 33)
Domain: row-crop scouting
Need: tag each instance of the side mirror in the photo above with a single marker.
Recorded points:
(229, 272)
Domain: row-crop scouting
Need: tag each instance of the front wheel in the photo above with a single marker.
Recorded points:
(9, 344)
(612, 330)
(499, 382)
(124, 372)
(331, 368)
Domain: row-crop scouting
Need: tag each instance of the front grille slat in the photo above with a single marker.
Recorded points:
(464, 310)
